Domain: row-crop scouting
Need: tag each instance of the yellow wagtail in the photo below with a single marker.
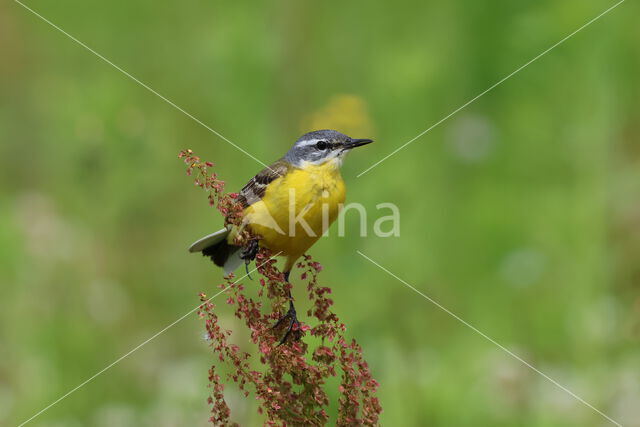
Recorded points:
(288, 205)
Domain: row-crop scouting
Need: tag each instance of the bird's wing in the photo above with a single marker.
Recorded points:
(257, 186)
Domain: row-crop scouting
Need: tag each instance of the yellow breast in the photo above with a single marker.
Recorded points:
(298, 208)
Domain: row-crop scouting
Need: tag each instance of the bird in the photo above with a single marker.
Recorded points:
(288, 206)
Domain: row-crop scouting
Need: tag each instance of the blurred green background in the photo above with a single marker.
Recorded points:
(520, 214)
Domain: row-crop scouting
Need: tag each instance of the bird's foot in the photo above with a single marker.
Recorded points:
(293, 325)
(249, 253)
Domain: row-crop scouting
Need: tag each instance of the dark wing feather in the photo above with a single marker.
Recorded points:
(257, 186)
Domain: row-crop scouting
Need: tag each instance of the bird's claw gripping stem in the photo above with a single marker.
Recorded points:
(249, 253)
(294, 324)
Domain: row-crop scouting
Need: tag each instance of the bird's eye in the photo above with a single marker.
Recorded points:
(322, 145)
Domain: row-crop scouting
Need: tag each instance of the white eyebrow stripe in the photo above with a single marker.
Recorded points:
(309, 142)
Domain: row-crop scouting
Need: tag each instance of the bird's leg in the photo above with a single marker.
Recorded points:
(290, 316)
(249, 253)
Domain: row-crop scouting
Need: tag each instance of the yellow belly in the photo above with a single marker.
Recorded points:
(312, 194)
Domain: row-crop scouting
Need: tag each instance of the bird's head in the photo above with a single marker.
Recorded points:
(321, 146)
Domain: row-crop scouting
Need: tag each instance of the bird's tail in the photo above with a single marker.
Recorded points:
(216, 247)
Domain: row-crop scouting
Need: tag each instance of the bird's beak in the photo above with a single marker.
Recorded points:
(356, 143)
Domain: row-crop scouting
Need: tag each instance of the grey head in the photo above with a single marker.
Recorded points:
(320, 146)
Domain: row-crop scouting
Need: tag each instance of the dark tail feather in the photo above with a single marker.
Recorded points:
(215, 246)
(219, 252)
